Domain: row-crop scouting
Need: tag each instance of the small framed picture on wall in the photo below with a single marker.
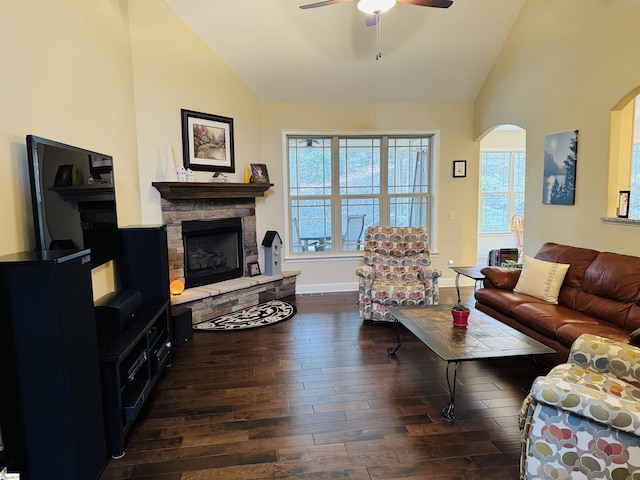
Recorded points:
(459, 168)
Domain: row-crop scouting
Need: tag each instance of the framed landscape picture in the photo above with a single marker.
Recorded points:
(560, 163)
(207, 142)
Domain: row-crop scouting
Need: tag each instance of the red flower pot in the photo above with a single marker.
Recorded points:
(460, 318)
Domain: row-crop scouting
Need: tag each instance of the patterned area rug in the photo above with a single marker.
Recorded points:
(267, 313)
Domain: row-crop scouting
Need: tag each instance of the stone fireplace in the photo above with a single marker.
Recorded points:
(188, 205)
(179, 215)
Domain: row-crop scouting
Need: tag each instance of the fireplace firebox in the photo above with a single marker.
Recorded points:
(212, 251)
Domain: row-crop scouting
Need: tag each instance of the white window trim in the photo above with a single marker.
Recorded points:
(301, 257)
(489, 150)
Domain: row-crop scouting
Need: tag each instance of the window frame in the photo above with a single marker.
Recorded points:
(634, 199)
(623, 135)
(336, 196)
(511, 193)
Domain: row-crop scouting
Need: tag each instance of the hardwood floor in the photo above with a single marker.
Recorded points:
(317, 397)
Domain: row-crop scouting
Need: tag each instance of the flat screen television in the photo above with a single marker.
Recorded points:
(73, 199)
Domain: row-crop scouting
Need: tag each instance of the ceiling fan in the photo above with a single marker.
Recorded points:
(373, 9)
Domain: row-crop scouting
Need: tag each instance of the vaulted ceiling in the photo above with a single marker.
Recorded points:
(328, 54)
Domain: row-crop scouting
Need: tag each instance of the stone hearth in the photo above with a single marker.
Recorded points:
(210, 301)
(205, 201)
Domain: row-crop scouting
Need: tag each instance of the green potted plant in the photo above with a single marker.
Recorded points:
(460, 313)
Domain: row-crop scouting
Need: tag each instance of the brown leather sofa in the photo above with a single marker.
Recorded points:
(600, 295)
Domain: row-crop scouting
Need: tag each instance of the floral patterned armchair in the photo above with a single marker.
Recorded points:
(582, 420)
(397, 271)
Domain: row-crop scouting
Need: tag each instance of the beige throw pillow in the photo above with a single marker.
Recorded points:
(541, 279)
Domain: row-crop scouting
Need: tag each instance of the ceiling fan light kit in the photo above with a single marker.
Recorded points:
(375, 7)
(380, 6)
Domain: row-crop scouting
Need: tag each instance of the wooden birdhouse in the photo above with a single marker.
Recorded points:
(272, 248)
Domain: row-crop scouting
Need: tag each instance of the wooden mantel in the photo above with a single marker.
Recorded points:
(198, 190)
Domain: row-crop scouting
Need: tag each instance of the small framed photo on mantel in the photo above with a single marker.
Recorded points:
(259, 173)
(254, 269)
(623, 203)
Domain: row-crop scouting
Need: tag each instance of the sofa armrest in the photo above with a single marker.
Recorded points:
(607, 356)
(603, 407)
(502, 278)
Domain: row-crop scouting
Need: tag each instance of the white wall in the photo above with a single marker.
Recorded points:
(454, 239)
(564, 66)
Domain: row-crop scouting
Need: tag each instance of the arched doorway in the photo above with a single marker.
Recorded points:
(502, 187)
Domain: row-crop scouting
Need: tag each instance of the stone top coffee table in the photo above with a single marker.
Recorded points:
(484, 337)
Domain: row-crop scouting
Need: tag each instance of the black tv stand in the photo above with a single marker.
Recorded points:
(131, 362)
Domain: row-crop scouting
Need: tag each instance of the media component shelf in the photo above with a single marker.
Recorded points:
(131, 362)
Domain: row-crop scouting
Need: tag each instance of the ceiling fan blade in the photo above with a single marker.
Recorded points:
(323, 4)
(429, 3)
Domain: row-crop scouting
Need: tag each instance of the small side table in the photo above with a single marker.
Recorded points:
(471, 272)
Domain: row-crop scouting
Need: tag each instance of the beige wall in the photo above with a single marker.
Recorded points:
(172, 70)
(112, 76)
(109, 76)
(454, 239)
(510, 139)
(200, 81)
(65, 74)
(565, 65)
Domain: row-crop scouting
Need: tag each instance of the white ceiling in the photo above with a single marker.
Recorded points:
(328, 54)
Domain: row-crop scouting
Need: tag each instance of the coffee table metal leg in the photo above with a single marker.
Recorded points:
(393, 350)
(448, 411)
(458, 286)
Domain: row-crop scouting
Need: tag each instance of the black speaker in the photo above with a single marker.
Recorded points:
(115, 310)
(53, 425)
(182, 330)
(144, 262)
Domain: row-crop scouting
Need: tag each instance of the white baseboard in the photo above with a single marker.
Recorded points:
(353, 286)
(327, 287)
